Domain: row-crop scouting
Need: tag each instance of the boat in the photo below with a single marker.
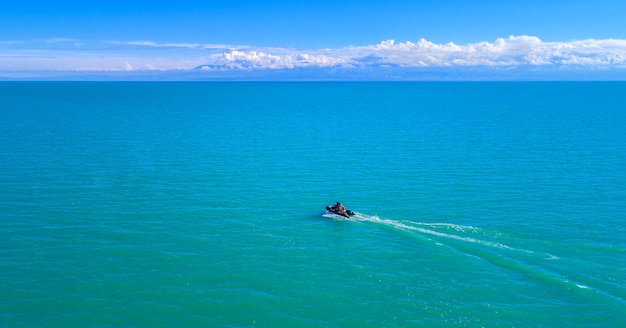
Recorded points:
(333, 209)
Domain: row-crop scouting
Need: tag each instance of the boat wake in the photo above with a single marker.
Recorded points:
(517, 253)
(438, 231)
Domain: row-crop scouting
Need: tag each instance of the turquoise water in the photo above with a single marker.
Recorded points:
(202, 204)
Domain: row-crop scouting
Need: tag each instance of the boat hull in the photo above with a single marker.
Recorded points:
(346, 214)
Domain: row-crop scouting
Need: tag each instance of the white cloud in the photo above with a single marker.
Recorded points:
(181, 45)
(10, 42)
(148, 55)
(511, 51)
(280, 59)
(137, 43)
(62, 40)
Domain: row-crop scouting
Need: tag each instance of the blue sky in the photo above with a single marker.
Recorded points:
(369, 39)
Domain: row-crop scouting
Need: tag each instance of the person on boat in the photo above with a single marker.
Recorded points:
(339, 208)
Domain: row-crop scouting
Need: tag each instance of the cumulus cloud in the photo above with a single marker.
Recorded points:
(278, 59)
(513, 51)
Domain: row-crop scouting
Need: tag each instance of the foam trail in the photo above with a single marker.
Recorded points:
(424, 229)
(473, 246)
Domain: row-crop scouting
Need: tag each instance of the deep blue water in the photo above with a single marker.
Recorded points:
(202, 204)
